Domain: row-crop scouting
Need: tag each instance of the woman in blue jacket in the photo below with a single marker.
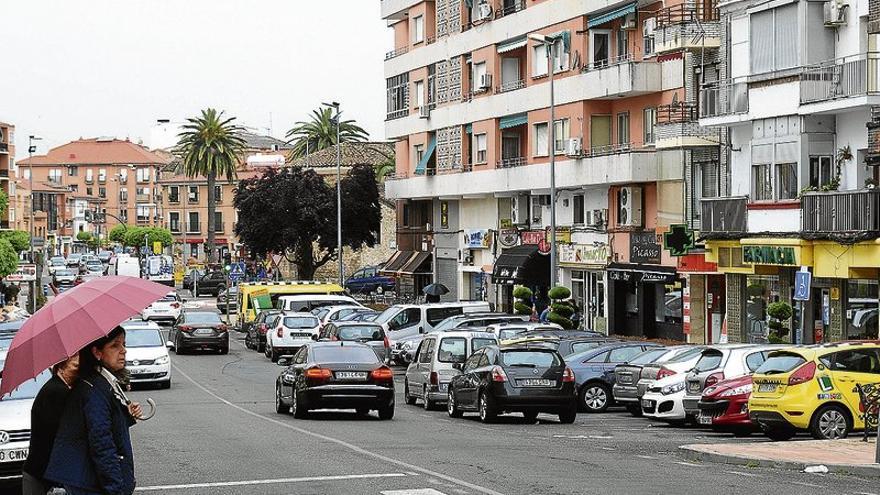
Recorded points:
(92, 452)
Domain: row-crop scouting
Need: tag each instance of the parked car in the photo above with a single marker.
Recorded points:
(661, 387)
(329, 314)
(717, 363)
(227, 301)
(166, 309)
(64, 277)
(405, 320)
(105, 256)
(199, 330)
(594, 371)
(309, 302)
(211, 283)
(369, 280)
(92, 266)
(127, 266)
(496, 380)
(15, 422)
(364, 332)
(509, 330)
(7, 333)
(433, 364)
(335, 375)
(360, 314)
(56, 263)
(679, 363)
(566, 342)
(190, 276)
(73, 260)
(289, 332)
(256, 333)
(627, 375)
(725, 406)
(814, 389)
(146, 356)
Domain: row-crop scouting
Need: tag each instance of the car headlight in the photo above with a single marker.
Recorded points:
(288, 379)
(743, 390)
(673, 388)
(162, 360)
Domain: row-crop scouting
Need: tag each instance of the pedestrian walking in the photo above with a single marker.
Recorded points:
(45, 416)
(544, 315)
(92, 453)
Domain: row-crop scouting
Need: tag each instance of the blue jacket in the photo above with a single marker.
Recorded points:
(92, 450)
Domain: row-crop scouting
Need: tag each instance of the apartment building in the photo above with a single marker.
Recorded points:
(115, 177)
(7, 165)
(797, 94)
(468, 106)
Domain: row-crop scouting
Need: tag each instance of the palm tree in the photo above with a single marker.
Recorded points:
(208, 146)
(320, 133)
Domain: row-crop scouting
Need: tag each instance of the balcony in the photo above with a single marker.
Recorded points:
(512, 162)
(727, 214)
(508, 7)
(723, 99)
(686, 27)
(842, 83)
(142, 198)
(89, 179)
(143, 219)
(840, 211)
(513, 85)
(678, 126)
(4, 174)
(396, 52)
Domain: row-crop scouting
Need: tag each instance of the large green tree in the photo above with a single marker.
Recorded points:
(19, 239)
(8, 258)
(210, 145)
(320, 133)
(117, 233)
(145, 236)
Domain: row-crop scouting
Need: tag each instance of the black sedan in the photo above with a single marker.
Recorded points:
(199, 330)
(525, 379)
(334, 375)
(256, 332)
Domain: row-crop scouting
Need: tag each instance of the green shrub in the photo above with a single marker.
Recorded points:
(522, 292)
(560, 320)
(522, 308)
(562, 309)
(780, 310)
(559, 292)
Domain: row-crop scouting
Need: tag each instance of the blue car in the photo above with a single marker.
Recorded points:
(594, 371)
(368, 280)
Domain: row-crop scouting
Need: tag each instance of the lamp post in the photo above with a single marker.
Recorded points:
(32, 148)
(550, 43)
(338, 119)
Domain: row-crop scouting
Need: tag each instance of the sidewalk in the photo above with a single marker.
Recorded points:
(850, 456)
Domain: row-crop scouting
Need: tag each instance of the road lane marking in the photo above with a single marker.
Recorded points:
(691, 464)
(418, 491)
(740, 473)
(306, 479)
(355, 448)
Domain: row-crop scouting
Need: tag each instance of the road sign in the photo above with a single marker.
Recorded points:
(236, 271)
(802, 281)
(276, 258)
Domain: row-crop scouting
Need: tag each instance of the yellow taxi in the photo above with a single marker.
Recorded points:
(815, 388)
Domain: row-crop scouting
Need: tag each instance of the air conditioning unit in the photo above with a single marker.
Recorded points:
(629, 207)
(650, 26)
(467, 258)
(424, 112)
(486, 81)
(835, 13)
(599, 217)
(484, 10)
(629, 22)
(573, 147)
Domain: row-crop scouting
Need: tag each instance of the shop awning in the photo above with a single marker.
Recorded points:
(629, 272)
(513, 120)
(566, 39)
(522, 265)
(418, 264)
(395, 262)
(611, 15)
(422, 166)
(511, 45)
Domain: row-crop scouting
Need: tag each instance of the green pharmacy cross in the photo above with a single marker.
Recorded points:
(679, 240)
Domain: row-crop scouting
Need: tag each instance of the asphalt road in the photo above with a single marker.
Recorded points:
(216, 432)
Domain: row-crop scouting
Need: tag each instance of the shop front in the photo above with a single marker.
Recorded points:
(705, 296)
(412, 269)
(583, 270)
(520, 265)
(645, 301)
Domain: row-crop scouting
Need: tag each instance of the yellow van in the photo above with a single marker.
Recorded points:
(254, 297)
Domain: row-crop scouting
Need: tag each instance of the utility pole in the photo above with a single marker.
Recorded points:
(32, 148)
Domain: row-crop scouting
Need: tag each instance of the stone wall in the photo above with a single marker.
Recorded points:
(355, 260)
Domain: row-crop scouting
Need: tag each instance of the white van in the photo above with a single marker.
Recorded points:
(127, 266)
(160, 269)
(405, 320)
(308, 302)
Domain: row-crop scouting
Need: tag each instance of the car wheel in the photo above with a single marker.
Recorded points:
(408, 398)
(177, 347)
(595, 397)
(778, 434)
(267, 351)
(830, 423)
(387, 412)
(531, 416)
(567, 416)
(488, 411)
(426, 401)
(635, 410)
(280, 408)
(166, 384)
(298, 411)
(452, 406)
(273, 356)
(224, 350)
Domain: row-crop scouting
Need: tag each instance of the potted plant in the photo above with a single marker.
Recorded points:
(779, 313)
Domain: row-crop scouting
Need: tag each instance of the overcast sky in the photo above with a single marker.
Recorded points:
(87, 68)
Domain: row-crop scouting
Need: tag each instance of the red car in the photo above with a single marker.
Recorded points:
(725, 406)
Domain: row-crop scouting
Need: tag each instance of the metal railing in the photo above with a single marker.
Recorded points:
(396, 52)
(505, 8)
(677, 113)
(608, 62)
(845, 77)
(4, 173)
(397, 114)
(840, 211)
(724, 98)
(141, 197)
(726, 214)
(680, 14)
(518, 161)
(175, 227)
(510, 86)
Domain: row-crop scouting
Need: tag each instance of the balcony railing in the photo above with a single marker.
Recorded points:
(841, 211)
(726, 97)
(677, 113)
(175, 227)
(679, 14)
(4, 173)
(845, 77)
(727, 214)
(511, 86)
(608, 62)
(507, 7)
(193, 228)
(142, 197)
(512, 162)
(141, 219)
(396, 52)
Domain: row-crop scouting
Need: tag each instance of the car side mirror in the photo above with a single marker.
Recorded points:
(421, 330)
(458, 366)
(169, 345)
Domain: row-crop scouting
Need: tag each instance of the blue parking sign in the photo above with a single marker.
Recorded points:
(802, 281)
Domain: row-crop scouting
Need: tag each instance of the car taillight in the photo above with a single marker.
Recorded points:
(185, 328)
(280, 332)
(567, 375)
(498, 374)
(386, 342)
(175, 305)
(714, 378)
(318, 374)
(435, 378)
(803, 374)
(222, 328)
(383, 374)
(664, 372)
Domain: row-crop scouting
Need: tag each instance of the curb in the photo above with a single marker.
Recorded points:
(696, 453)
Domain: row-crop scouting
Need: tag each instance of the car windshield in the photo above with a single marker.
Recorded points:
(169, 298)
(57, 261)
(530, 358)
(143, 338)
(202, 317)
(780, 363)
(29, 389)
(63, 273)
(300, 322)
(448, 324)
(452, 350)
(354, 354)
(320, 312)
(686, 355)
(5, 342)
(710, 360)
(648, 356)
(478, 344)
(509, 333)
(386, 315)
(360, 332)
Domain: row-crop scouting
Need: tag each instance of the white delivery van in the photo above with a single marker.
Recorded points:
(405, 320)
(308, 302)
(127, 266)
(160, 269)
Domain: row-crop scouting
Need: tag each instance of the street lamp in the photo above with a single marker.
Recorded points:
(335, 105)
(32, 148)
(550, 43)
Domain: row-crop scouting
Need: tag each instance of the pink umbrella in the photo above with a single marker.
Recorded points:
(71, 321)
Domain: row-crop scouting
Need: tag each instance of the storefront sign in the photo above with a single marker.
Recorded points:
(477, 239)
(643, 248)
(769, 255)
(536, 237)
(583, 254)
(506, 223)
(686, 310)
(26, 272)
(508, 237)
(680, 240)
(563, 235)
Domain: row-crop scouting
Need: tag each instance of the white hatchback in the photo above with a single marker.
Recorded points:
(291, 331)
(166, 309)
(146, 357)
(15, 422)
(664, 399)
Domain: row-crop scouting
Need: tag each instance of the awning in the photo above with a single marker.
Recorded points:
(423, 165)
(511, 45)
(629, 272)
(566, 39)
(522, 265)
(396, 261)
(611, 15)
(418, 264)
(513, 120)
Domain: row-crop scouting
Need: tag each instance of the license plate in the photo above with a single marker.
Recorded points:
(136, 371)
(351, 375)
(704, 420)
(13, 455)
(694, 387)
(766, 387)
(204, 331)
(301, 335)
(647, 403)
(537, 382)
(443, 387)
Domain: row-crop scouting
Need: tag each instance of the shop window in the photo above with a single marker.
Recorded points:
(760, 293)
(631, 301)
(668, 303)
(861, 309)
